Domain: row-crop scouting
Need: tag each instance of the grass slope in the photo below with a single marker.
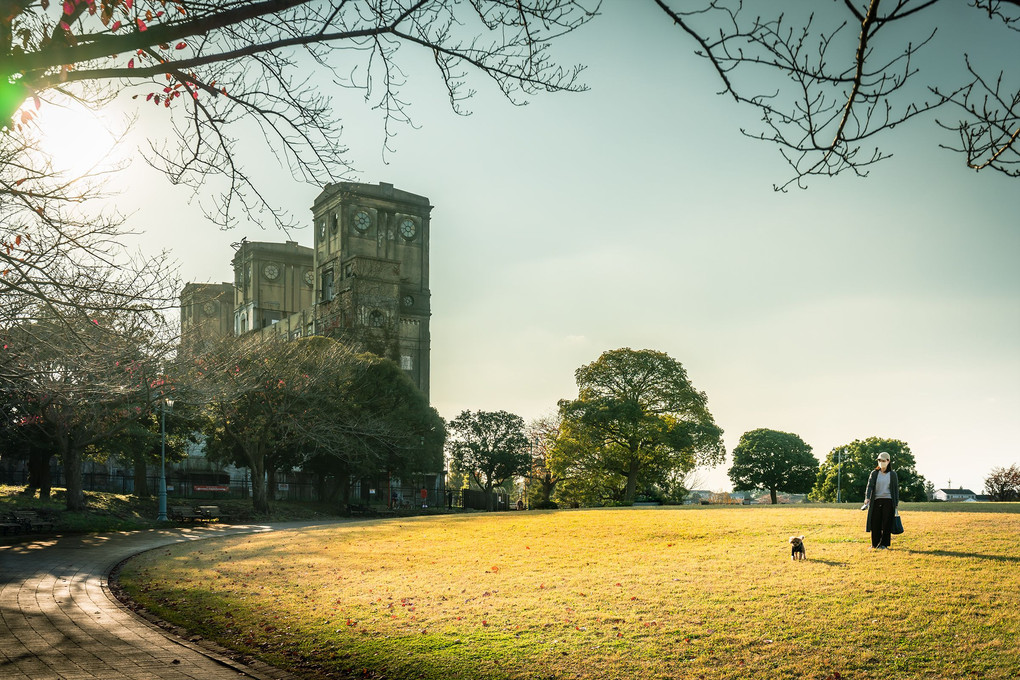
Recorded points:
(122, 512)
(638, 593)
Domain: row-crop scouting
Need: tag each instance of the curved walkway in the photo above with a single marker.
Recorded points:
(58, 619)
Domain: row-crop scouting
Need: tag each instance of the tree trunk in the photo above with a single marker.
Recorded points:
(489, 504)
(45, 481)
(259, 499)
(271, 484)
(73, 479)
(38, 474)
(632, 474)
(772, 492)
(548, 485)
(344, 485)
(141, 476)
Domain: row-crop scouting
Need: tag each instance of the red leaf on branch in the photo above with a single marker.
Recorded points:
(180, 46)
(128, 3)
(141, 25)
(131, 63)
(116, 25)
(68, 8)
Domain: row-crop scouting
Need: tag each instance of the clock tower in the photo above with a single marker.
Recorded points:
(371, 272)
(272, 281)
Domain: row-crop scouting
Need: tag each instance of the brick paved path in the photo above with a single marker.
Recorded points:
(58, 619)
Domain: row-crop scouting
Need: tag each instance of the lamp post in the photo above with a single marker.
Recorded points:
(839, 473)
(166, 403)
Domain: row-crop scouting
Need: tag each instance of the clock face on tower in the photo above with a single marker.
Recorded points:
(209, 308)
(271, 271)
(309, 279)
(362, 221)
(408, 228)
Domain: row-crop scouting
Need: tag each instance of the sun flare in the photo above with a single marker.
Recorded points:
(79, 141)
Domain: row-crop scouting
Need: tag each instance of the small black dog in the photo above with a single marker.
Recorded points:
(797, 551)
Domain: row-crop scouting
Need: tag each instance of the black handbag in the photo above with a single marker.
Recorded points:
(897, 523)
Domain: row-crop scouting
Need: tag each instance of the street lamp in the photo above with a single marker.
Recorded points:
(166, 403)
(839, 473)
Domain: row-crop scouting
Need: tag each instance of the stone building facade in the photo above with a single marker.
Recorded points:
(365, 280)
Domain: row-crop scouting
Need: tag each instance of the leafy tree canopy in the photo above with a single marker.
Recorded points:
(638, 418)
(491, 446)
(772, 460)
(848, 467)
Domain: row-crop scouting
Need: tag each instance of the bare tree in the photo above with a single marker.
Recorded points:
(543, 477)
(77, 381)
(1003, 483)
(275, 403)
(216, 62)
(830, 79)
(62, 252)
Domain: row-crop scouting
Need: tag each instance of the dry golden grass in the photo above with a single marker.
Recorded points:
(623, 593)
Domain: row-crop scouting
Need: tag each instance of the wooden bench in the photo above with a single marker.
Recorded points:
(30, 521)
(184, 513)
(9, 527)
(211, 512)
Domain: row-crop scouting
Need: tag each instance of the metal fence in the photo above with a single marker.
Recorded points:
(298, 487)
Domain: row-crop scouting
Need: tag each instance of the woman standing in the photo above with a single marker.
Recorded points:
(881, 498)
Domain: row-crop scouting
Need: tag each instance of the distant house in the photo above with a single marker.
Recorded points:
(960, 494)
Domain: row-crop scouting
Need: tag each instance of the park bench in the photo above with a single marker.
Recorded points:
(8, 526)
(30, 521)
(211, 512)
(184, 513)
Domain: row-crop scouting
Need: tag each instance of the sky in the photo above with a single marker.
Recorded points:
(637, 215)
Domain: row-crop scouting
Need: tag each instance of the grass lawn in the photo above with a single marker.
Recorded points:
(620, 593)
(121, 512)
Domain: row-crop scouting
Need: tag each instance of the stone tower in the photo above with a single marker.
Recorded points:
(207, 314)
(372, 272)
(272, 281)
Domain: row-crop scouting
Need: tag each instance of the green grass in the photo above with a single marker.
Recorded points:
(121, 512)
(649, 593)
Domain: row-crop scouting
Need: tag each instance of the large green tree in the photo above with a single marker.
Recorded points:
(372, 422)
(490, 446)
(639, 419)
(774, 461)
(847, 467)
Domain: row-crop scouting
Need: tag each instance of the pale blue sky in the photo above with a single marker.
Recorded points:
(637, 215)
